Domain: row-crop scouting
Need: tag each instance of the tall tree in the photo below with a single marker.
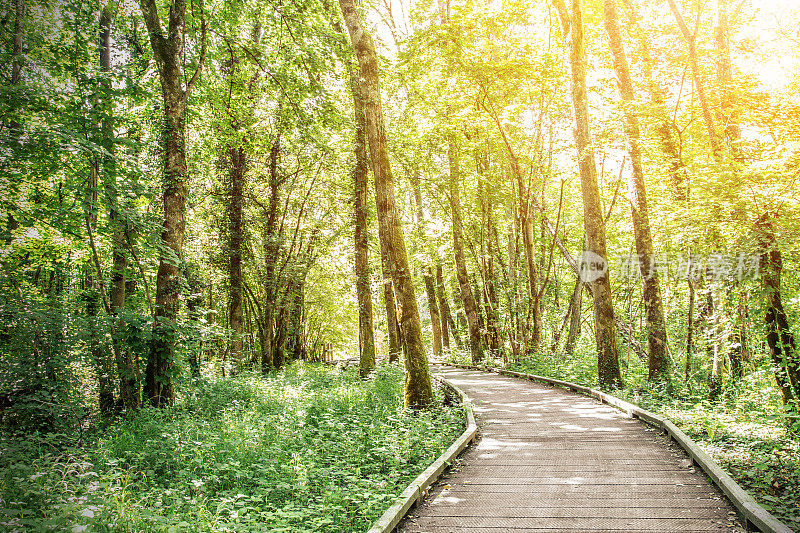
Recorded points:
(447, 323)
(366, 338)
(476, 344)
(236, 158)
(781, 342)
(127, 365)
(593, 220)
(169, 56)
(418, 391)
(433, 308)
(665, 128)
(727, 112)
(658, 362)
(694, 62)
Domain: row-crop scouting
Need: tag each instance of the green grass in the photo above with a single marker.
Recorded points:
(309, 449)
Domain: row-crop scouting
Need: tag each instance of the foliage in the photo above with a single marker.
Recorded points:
(310, 448)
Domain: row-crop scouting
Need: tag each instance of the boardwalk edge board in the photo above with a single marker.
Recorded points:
(751, 513)
(417, 489)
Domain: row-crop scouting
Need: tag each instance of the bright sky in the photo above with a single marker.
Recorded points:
(775, 27)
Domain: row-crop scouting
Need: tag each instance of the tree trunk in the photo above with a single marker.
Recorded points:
(779, 335)
(658, 361)
(271, 250)
(665, 129)
(392, 325)
(738, 351)
(418, 391)
(534, 307)
(168, 54)
(594, 224)
(237, 161)
(713, 346)
(366, 339)
(708, 119)
(105, 378)
(127, 367)
(689, 330)
(575, 309)
(436, 323)
(467, 298)
(727, 112)
(448, 325)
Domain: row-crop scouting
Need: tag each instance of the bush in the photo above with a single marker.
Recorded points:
(308, 449)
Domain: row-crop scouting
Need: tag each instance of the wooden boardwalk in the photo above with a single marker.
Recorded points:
(549, 460)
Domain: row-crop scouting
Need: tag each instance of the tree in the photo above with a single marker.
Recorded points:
(476, 344)
(658, 362)
(594, 224)
(126, 363)
(779, 335)
(694, 62)
(433, 308)
(418, 391)
(169, 56)
(366, 339)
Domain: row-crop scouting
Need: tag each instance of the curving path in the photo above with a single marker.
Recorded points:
(549, 460)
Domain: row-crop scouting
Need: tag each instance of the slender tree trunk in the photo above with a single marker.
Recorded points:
(713, 346)
(594, 225)
(516, 332)
(448, 325)
(168, 53)
(658, 362)
(105, 378)
(19, 32)
(665, 128)
(20, 8)
(237, 161)
(575, 309)
(415, 185)
(418, 391)
(366, 339)
(15, 128)
(392, 325)
(272, 242)
(728, 114)
(467, 297)
(486, 261)
(529, 245)
(694, 62)
(127, 367)
(779, 335)
(689, 331)
(738, 352)
(436, 323)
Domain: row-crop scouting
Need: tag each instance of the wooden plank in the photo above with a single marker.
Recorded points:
(667, 512)
(585, 524)
(531, 500)
(414, 528)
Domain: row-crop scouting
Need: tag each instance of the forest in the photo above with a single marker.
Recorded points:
(211, 209)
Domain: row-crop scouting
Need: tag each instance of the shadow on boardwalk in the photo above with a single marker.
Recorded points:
(552, 461)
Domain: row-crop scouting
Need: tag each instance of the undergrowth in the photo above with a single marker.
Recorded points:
(308, 449)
